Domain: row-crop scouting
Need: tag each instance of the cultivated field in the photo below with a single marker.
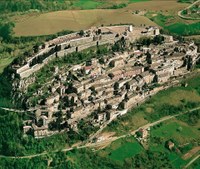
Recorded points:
(53, 22)
(157, 5)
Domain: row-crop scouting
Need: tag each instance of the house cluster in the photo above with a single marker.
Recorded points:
(100, 89)
(142, 135)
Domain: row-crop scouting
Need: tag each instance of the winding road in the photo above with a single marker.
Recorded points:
(187, 17)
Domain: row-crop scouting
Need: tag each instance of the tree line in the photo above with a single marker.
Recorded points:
(26, 5)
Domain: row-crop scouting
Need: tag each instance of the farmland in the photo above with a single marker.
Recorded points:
(53, 22)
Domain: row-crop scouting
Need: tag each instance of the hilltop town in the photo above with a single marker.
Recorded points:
(100, 89)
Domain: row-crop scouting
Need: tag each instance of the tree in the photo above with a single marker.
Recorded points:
(148, 58)
(36, 48)
(116, 86)
(158, 39)
(81, 33)
(6, 31)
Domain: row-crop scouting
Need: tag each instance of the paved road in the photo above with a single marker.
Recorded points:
(187, 17)
(103, 142)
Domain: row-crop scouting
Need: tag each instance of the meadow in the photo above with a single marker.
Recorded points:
(127, 150)
(122, 149)
(180, 132)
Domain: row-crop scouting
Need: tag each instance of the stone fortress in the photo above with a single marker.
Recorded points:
(75, 42)
(103, 89)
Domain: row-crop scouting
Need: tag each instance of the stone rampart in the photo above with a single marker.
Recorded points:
(67, 47)
(23, 68)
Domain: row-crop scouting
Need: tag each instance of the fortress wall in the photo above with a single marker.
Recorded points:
(61, 53)
(66, 51)
(23, 68)
(26, 73)
(85, 46)
(30, 71)
(108, 36)
(81, 41)
(40, 53)
(103, 42)
(64, 37)
(46, 60)
(63, 45)
(70, 50)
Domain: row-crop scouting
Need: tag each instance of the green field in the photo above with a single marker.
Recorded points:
(175, 25)
(87, 4)
(176, 130)
(176, 160)
(127, 150)
(185, 29)
(122, 149)
(134, 1)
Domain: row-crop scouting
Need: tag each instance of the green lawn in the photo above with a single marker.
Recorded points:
(92, 4)
(133, 1)
(87, 4)
(184, 29)
(176, 160)
(127, 150)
